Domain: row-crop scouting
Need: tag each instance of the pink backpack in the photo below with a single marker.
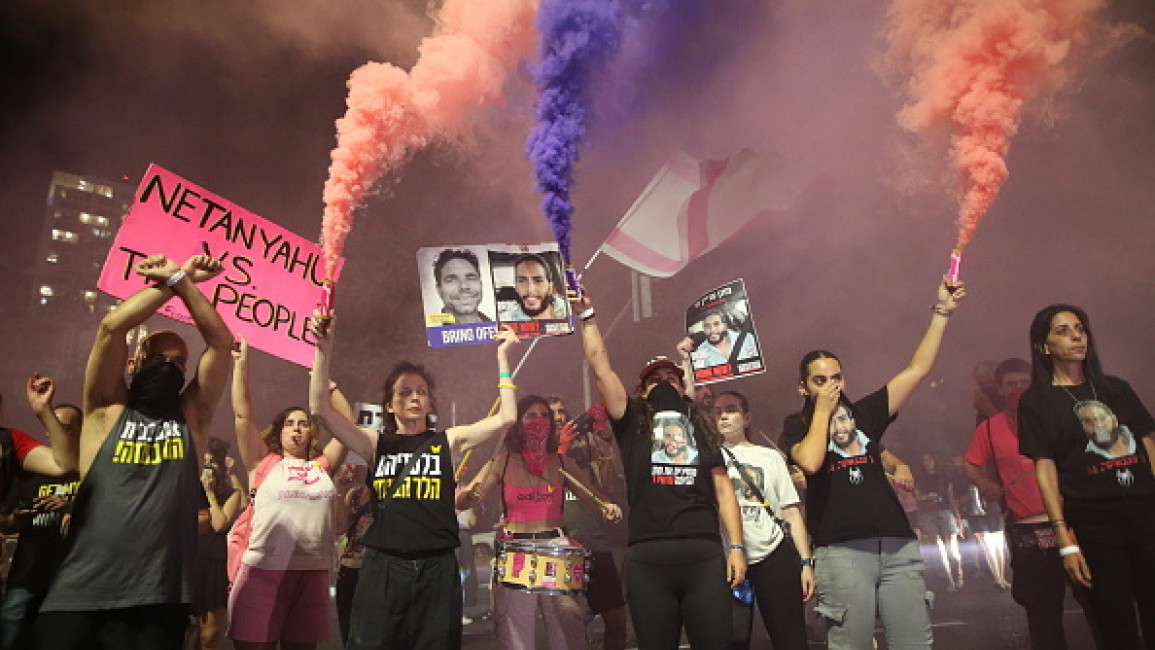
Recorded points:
(242, 527)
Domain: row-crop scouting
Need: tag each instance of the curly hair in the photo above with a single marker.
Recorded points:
(272, 433)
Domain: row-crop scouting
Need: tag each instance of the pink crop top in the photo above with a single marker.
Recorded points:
(533, 503)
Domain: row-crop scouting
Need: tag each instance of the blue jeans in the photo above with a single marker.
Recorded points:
(16, 615)
(861, 578)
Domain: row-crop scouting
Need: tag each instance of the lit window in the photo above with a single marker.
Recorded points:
(52, 258)
(104, 191)
(85, 218)
(101, 221)
(89, 296)
(65, 236)
(44, 301)
(46, 291)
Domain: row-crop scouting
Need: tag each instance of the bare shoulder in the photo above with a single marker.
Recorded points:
(98, 423)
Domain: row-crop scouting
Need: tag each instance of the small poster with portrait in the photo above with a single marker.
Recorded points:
(529, 288)
(457, 293)
(721, 325)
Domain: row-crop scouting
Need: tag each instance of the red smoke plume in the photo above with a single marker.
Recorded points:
(972, 66)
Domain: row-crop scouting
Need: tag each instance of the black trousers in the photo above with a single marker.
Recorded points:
(1118, 541)
(346, 587)
(1040, 585)
(404, 604)
(777, 582)
(674, 582)
(149, 627)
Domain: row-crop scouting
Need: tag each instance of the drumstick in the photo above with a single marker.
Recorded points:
(574, 482)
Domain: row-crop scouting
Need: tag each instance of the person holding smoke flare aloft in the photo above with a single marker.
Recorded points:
(281, 590)
(676, 569)
(1090, 437)
(530, 471)
(409, 591)
(867, 557)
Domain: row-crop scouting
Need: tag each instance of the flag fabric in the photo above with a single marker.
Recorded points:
(692, 206)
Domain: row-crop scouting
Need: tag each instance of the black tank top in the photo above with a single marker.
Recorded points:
(421, 518)
(134, 520)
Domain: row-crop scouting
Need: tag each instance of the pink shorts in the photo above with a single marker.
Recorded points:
(268, 605)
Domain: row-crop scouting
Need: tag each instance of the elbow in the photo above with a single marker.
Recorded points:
(808, 466)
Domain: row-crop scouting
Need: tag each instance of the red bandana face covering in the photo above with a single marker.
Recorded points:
(534, 435)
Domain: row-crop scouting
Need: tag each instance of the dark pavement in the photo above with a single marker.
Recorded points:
(978, 616)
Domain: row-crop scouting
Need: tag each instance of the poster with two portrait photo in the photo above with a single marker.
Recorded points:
(470, 291)
(726, 345)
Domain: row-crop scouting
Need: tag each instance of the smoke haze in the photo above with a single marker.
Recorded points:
(242, 98)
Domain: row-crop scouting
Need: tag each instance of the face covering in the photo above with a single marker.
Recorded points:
(534, 435)
(664, 397)
(155, 391)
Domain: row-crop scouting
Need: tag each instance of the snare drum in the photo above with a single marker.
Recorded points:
(554, 570)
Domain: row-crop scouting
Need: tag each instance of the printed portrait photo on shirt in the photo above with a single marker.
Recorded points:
(673, 441)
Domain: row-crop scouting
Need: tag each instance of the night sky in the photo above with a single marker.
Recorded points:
(241, 98)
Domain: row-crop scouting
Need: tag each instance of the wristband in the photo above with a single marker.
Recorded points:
(587, 314)
(941, 311)
(1069, 550)
(174, 278)
(808, 561)
(506, 384)
(1058, 523)
(738, 547)
(505, 374)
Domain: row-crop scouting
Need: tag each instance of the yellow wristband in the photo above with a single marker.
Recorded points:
(508, 385)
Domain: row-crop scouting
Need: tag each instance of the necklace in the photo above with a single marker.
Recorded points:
(1074, 399)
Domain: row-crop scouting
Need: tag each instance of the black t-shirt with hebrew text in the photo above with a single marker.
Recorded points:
(850, 498)
(671, 496)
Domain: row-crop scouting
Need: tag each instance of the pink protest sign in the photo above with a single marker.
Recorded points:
(272, 277)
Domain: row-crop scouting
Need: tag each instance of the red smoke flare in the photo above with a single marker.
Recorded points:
(972, 66)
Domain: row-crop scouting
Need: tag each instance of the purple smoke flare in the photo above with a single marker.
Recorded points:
(578, 38)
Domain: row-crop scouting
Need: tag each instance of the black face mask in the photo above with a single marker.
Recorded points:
(665, 397)
(155, 391)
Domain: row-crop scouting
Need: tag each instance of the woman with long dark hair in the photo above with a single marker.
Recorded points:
(1090, 437)
(409, 589)
(781, 569)
(281, 593)
(867, 557)
(533, 478)
(679, 496)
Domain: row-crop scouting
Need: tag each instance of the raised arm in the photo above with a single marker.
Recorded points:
(250, 445)
(465, 437)
(903, 384)
(64, 447)
(685, 347)
(104, 375)
(335, 451)
(361, 441)
(212, 370)
(610, 385)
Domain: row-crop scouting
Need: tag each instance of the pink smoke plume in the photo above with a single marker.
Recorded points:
(391, 113)
(972, 65)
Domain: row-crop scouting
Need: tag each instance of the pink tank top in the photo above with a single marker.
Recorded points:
(533, 503)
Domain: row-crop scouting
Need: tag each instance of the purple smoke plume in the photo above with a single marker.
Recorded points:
(578, 38)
